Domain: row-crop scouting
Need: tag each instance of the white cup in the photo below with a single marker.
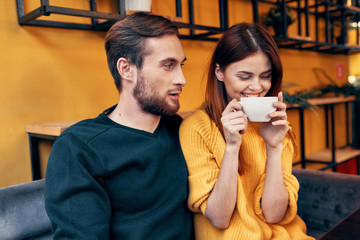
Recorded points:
(257, 109)
(138, 5)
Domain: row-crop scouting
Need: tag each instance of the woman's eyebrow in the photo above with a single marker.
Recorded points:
(240, 72)
(246, 72)
(268, 71)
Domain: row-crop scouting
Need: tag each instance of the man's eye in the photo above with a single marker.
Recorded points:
(169, 65)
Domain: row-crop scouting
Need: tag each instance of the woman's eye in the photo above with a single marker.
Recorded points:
(266, 76)
(244, 77)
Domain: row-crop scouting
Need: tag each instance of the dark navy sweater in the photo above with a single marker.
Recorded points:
(108, 181)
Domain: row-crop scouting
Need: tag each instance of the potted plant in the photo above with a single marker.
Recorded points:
(274, 19)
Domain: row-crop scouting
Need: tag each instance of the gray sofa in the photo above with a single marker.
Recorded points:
(325, 198)
(22, 212)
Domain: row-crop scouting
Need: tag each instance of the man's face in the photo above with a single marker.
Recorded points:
(160, 80)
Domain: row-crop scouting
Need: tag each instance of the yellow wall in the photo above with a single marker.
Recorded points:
(54, 75)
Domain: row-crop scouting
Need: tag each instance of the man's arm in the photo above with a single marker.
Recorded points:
(75, 200)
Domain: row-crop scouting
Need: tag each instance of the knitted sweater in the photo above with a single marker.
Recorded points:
(109, 181)
(203, 147)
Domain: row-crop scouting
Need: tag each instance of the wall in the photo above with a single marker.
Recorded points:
(54, 75)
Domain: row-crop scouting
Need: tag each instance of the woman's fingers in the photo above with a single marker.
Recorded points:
(233, 106)
(280, 97)
(280, 105)
(279, 114)
(234, 119)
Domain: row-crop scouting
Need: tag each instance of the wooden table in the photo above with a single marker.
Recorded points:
(348, 229)
(36, 132)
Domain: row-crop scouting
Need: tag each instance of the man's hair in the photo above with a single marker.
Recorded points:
(127, 39)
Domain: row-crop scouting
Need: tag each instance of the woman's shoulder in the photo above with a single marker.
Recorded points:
(199, 126)
(197, 119)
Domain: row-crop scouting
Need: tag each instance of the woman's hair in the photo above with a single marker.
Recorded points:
(127, 39)
(239, 42)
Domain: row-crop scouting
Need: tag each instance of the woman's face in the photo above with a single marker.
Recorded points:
(250, 77)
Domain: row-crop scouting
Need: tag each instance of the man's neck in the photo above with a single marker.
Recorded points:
(128, 113)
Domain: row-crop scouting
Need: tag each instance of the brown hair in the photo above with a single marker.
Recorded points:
(237, 43)
(127, 38)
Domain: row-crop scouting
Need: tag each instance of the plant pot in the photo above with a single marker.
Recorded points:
(138, 5)
(278, 29)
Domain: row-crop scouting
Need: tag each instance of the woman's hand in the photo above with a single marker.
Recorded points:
(275, 198)
(274, 131)
(234, 122)
(222, 199)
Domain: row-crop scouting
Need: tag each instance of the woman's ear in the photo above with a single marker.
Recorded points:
(218, 73)
(125, 69)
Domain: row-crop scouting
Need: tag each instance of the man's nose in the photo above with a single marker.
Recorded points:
(180, 78)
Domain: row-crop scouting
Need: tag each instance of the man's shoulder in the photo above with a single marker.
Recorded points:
(85, 130)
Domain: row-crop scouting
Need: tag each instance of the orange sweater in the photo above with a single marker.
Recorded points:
(203, 148)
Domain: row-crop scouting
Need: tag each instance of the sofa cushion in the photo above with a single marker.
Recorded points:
(325, 198)
(22, 212)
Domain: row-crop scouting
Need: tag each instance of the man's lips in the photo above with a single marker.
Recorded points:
(175, 94)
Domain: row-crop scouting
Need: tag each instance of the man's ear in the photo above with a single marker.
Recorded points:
(218, 73)
(125, 69)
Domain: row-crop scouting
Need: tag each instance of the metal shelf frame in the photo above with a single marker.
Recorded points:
(101, 21)
(331, 11)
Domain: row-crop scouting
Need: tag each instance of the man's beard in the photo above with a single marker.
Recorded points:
(150, 101)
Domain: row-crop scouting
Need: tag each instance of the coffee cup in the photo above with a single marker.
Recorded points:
(257, 109)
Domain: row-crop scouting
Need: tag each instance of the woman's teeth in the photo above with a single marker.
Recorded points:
(252, 95)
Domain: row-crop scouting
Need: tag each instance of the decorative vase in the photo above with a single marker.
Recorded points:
(278, 29)
(138, 5)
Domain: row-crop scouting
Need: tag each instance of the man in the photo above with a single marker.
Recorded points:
(122, 175)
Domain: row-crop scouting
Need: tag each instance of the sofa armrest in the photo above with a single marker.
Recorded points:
(325, 198)
(22, 212)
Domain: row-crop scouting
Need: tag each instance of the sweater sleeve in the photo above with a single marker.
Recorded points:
(202, 166)
(291, 184)
(75, 199)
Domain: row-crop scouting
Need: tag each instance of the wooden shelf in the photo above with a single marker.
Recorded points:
(51, 129)
(341, 155)
(326, 101)
(331, 100)
(55, 129)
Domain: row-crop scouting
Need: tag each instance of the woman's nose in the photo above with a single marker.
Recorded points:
(255, 84)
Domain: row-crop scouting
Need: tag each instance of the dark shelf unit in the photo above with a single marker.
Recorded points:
(332, 12)
(102, 21)
(332, 155)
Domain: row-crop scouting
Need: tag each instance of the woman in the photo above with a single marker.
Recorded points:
(241, 185)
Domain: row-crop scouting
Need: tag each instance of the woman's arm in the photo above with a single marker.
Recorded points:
(275, 198)
(222, 199)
